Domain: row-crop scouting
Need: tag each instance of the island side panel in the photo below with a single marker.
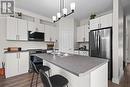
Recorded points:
(99, 77)
(74, 81)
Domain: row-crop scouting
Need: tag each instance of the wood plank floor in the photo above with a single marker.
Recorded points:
(24, 80)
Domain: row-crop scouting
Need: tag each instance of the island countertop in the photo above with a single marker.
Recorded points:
(75, 64)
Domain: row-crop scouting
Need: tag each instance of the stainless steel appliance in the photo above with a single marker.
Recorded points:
(35, 59)
(35, 36)
(100, 46)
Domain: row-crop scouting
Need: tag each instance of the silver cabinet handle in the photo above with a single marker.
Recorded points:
(84, 39)
(16, 37)
(19, 55)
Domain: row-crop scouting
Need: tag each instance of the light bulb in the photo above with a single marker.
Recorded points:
(72, 6)
(54, 18)
(64, 11)
(58, 15)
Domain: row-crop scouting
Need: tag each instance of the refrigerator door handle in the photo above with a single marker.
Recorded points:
(98, 42)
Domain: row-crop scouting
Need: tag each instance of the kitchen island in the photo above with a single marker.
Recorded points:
(81, 71)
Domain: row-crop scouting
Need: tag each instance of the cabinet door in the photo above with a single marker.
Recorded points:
(40, 27)
(76, 52)
(106, 21)
(80, 34)
(31, 26)
(67, 42)
(94, 23)
(11, 68)
(23, 62)
(54, 33)
(22, 30)
(48, 33)
(86, 33)
(11, 28)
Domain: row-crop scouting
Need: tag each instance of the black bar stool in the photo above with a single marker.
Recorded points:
(36, 69)
(53, 81)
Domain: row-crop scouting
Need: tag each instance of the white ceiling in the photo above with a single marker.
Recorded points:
(50, 7)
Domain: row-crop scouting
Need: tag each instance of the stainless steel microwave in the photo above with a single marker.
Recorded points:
(35, 36)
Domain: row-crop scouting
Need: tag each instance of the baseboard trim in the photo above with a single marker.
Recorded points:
(115, 80)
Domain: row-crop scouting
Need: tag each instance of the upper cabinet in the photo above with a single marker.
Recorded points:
(40, 27)
(32, 26)
(51, 33)
(16, 29)
(101, 22)
(11, 33)
(106, 21)
(82, 33)
(22, 30)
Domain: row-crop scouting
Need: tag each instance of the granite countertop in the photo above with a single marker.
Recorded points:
(75, 64)
(27, 50)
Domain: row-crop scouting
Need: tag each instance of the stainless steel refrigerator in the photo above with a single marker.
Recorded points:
(100, 46)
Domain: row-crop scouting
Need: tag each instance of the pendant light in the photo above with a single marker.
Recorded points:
(64, 11)
(59, 13)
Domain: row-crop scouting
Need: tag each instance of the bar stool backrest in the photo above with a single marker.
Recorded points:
(34, 67)
(45, 79)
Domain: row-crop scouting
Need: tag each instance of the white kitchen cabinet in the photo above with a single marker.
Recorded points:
(23, 62)
(16, 29)
(31, 26)
(35, 27)
(86, 33)
(106, 21)
(51, 33)
(11, 28)
(40, 27)
(95, 23)
(76, 52)
(83, 53)
(22, 30)
(101, 22)
(48, 33)
(16, 63)
(82, 33)
(11, 68)
(66, 35)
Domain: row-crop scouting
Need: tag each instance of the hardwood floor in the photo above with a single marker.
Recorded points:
(24, 80)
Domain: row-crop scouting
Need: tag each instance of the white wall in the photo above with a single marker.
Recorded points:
(128, 29)
(23, 44)
(117, 41)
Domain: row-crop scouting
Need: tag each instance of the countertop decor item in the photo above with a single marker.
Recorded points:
(12, 49)
(2, 70)
(92, 16)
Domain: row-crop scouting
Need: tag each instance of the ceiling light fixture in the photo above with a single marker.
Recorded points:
(64, 11)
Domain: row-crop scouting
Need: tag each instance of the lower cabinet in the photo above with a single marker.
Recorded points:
(83, 53)
(16, 63)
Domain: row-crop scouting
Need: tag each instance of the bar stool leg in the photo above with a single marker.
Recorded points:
(37, 80)
(48, 73)
(32, 79)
